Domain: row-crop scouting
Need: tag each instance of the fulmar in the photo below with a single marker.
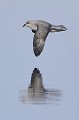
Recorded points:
(41, 30)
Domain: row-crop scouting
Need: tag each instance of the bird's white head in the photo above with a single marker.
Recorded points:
(31, 24)
(27, 24)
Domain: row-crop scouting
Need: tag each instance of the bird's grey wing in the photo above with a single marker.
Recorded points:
(36, 76)
(39, 39)
(36, 81)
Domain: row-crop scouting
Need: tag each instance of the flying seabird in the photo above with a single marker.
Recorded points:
(41, 30)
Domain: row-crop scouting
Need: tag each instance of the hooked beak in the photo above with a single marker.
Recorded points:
(24, 25)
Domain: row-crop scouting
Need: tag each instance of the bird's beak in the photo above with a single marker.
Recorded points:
(24, 25)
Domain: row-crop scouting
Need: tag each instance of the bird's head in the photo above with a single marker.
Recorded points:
(31, 24)
(27, 24)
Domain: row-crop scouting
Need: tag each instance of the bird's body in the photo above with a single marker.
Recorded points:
(41, 30)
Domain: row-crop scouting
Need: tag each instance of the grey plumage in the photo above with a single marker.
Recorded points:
(36, 82)
(41, 30)
(37, 93)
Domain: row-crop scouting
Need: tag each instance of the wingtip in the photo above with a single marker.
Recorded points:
(36, 70)
(37, 55)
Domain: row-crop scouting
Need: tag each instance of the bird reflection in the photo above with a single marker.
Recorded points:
(36, 92)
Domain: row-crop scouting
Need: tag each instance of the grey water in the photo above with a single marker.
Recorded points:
(36, 93)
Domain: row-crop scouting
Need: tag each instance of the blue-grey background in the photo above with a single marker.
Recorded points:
(59, 62)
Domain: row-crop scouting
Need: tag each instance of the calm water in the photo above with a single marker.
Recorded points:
(27, 96)
(37, 93)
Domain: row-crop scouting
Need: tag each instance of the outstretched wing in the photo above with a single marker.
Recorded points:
(36, 81)
(39, 39)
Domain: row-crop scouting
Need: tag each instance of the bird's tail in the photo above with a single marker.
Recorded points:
(58, 28)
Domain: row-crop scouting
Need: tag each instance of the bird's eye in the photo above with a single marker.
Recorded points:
(27, 22)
